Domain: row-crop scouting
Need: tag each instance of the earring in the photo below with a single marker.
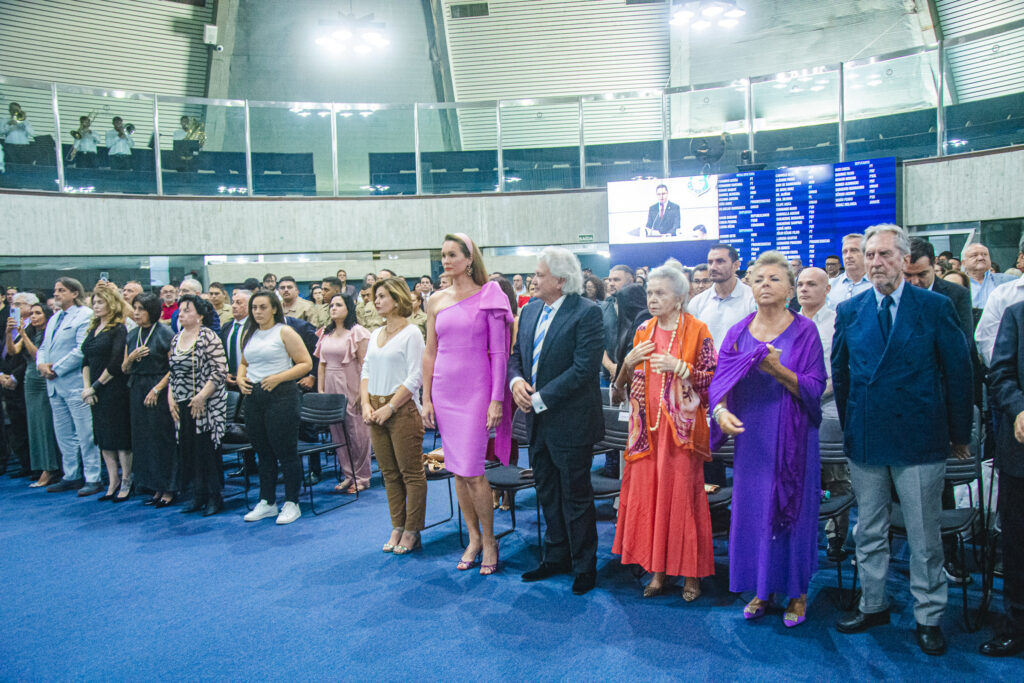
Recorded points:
(469, 270)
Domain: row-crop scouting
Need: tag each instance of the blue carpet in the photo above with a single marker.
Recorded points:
(96, 591)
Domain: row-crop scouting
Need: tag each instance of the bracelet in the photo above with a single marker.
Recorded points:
(719, 409)
(392, 406)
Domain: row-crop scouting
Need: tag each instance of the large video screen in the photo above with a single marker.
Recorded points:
(802, 211)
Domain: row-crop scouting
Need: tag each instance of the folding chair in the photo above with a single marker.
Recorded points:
(321, 411)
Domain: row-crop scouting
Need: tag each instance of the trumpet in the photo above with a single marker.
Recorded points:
(77, 132)
(19, 116)
(129, 128)
(196, 131)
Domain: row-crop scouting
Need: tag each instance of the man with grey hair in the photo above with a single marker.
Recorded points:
(1001, 298)
(901, 372)
(553, 374)
(978, 266)
(195, 288)
(853, 280)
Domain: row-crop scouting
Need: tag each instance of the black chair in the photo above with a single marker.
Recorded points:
(721, 500)
(616, 438)
(831, 510)
(321, 411)
(509, 480)
(960, 523)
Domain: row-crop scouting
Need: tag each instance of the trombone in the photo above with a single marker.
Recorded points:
(77, 133)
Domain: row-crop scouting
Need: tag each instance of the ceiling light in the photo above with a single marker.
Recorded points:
(682, 16)
(727, 23)
(712, 10)
(701, 24)
(375, 39)
(875, 81)
(700, 11)
(735, 13)
(817, 88)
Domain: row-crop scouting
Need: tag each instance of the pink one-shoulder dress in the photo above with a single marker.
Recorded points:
(469, 372)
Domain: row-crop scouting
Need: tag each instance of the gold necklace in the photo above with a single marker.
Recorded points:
(661, 393)
(138, 338)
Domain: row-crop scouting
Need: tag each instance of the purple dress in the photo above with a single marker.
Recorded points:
(469, 372)
(773, 540)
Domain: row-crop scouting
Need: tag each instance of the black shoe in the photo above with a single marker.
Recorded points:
(930, 640)
(1003, 646)
(65, 485)
(197, 505)
(544, 571)
(152, 501)
(862, 622)
(584, 583)
(956, 573)
(118, 499)
(835, 551)
(89, 489)
(108, 496)
(162, 503)
(213, 507)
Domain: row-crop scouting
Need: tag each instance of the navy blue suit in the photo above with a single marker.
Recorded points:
(667, 224)
(563, 435)
(901, 403)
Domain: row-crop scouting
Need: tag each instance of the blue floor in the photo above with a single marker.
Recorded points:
(97, 591)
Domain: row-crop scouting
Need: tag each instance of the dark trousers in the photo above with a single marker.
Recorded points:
(17, 154)
(120, 162)
(272, 422)
(1011, 517)
(567, 499)
(86, 160)
(199, 456)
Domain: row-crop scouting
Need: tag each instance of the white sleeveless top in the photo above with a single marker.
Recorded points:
(265, 354)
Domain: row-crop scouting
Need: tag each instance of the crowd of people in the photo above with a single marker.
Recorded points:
(882, 342)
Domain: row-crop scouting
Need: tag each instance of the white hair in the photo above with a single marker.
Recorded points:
(247, 293)
(189, 283)
(674, 276)
(564, 265)
(25, 297)
(902, 241)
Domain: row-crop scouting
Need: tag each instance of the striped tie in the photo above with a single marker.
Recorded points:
(538, 341)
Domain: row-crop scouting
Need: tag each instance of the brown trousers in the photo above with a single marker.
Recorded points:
(398, 445)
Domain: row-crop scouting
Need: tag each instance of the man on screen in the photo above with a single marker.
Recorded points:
(663, 216)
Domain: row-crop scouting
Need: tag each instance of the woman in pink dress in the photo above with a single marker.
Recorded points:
(464, 389)
(341, 351)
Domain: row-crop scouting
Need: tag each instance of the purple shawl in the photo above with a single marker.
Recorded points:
(805, 358)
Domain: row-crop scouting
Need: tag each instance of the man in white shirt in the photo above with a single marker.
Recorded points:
(1001, 298)
(978, 266)
(728, 301)
(17, 135)
(84, 147)
(517, 285)
(119, 146)
(854, 280)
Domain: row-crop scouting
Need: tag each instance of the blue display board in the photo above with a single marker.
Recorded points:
(802, 211)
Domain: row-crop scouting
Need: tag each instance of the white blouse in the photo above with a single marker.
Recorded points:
(398, 363)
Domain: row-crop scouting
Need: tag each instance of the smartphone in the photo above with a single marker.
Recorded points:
(16, 314)
(104, 276)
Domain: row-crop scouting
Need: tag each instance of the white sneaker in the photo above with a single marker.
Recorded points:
(289, 513)
(262, 510)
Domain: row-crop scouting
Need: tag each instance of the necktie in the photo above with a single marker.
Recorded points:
(661, 213)
(885, 317)
(232, 346)
(60, 319)
(538, 341)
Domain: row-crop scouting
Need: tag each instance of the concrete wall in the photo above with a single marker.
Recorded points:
(972, 188)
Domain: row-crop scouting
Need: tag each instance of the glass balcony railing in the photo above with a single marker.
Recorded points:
(922, 102)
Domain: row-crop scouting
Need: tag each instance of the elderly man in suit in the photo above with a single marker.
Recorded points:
(553, 371)
(1007, 382)
(901, 372)
(60, 361)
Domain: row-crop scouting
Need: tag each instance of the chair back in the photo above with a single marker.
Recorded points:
(725, 452)
(323, 410)
(962, 471)
(520, 428)
(616, 429)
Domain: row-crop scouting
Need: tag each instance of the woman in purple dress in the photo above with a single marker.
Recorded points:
(767, 393)
(464, 389)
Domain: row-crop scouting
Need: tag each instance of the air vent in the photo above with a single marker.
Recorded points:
(469, 9)
(645, 2)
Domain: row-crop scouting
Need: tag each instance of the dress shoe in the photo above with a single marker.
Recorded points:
(584, 583)
(196, 505)
(162, 503)
(1002, 646)
(213, 507)
(544, 571)
(107, 496)
(930, 640)
(65, 485)
(152, 501)
(89, 489)
(862, 622)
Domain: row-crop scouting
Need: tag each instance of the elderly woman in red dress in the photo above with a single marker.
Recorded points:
(664, 522)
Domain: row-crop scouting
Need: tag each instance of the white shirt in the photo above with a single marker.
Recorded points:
(265, 354)
(825, 320)
(844, 288)
(179, 134)
(117, 145)
(718, 313)
(1001, 298)
(538, 404)
(398, 364)
(87, 143)
(896, 296)
(17, 133)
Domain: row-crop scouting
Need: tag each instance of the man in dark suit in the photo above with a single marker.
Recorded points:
(1007, 382)
(920, 272)
(663, 216)
(553, 374)
(901, 372)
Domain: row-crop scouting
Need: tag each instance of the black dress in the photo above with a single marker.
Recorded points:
(111, 426)
(154, 450)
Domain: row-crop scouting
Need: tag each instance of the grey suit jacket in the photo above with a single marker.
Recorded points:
(63, 348)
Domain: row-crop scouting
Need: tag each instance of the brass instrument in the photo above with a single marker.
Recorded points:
(129, 128)
(19, 116)
(196, 131)
(77, 133)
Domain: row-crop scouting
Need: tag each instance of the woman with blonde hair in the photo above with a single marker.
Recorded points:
(389, 392)
(105, 389)
(464, 389)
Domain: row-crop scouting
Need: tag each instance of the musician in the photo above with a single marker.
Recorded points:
(183, 131)
(83, 152)
(119, 146)
(186, 156)
(17, 133)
